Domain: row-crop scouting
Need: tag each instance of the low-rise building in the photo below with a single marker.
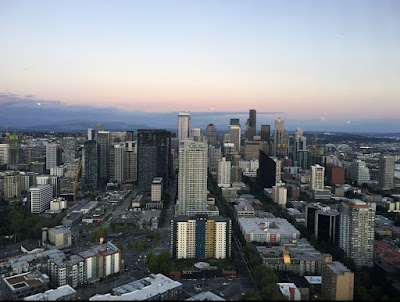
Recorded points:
(62, 293)
(290, 291)
(20, 286)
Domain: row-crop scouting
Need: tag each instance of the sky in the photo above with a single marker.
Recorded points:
(307, 59)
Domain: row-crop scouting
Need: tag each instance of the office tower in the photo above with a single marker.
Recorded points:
(129, 136)
(251, 149)
(52, 180)
(235, 134)
(359, 172)
(229, 152)
(118, 163)
(131, 161)
(53, 155)
(267, 171)
(90, 165)
(214, 155)
(323, 222)
(334, 175)
(234, 121)
(337, 282)
(251, 125)
(280, 139)
(183, 126)
(357, 223)
(224, 173)
(103, 142)
(317, 177)
(296, 146)
(70, 146)
(201, 237)
(304, 159)
(266, 134)
(386, 172)
(40, 198)
(12, 186)
(196, 134)
(91, 134)
(153, 157)
(4, 154)
(192, 178)
(15, 155)
(211, 134)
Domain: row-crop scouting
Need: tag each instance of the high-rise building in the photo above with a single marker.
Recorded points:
(337, 282)
(12, 185)
(229, 152)
(214, 155)
(40, 198)
(52, 180)
(251, 125)
(90, 164)
(224, 173)
(279, 194)
(4, 154)
(357, 223)
(201, 237)
(317, 177)
(211, 134)
(70, 146)
(118, 163)
(104, 142)
(192, 178)
(91, 134)
(184, 125)
(266, 134)
(323, 222)
(267, 170)
(131, 161)
(334, 175)
(53, 155)
(359, 172)
(296, 146)
(129, 136)
(196, 134)
(153, 157)
(235, 121)
(235, 133)
(281, 141)
(386, 172)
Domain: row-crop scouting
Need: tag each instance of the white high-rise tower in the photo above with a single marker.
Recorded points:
(192, 179)
(183, 126)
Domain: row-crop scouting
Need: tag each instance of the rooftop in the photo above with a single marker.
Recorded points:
(52, 294)
(205, 296)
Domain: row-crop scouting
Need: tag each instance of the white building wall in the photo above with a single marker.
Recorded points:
(224, 173)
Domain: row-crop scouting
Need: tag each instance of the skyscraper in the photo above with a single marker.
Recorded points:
(251, 125)
(53, 155)
(296, 146)
(183, 126)
(234, 121)
(357, 223)
(214, 155)
(90, 164)
(267, 171)
(131, 161)
(386, 172)
(266, 133)
(224, 173)
(192, 178)
(117, 163)
(235, 134)
(280, 139)
(153, 156)
(70, 146)
(104, 142)
(91, 135)
(211, 134)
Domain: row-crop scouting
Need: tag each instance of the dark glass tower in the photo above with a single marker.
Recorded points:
(266, 173)
(251, 125)
(153, 156)
(91, 166)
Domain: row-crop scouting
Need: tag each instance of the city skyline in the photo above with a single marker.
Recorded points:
(308, 59)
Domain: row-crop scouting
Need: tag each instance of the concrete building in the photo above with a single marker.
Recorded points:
(359, 172)
(40, 198)
(131, 161)
(12, 186)
(357, 223)
(52, 180)
(53, 155)
(386, 172)
(335, 175)
(62, 293)
(118, 163)
(224, 173)
(317, 177)
(17, 287)
(337, 281)
(58, 171)
(70, 146)
(58, 236)
(157, 189)
(205, 296)
(67, 270)
(192, 178)
(102, 260)
(4, 154)
(201, 237)
(211, 134)
(58, 204)
(244, 209)
(214, 156)
(235, 134)
(153, 288)
(272, 230)
(279, 194)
